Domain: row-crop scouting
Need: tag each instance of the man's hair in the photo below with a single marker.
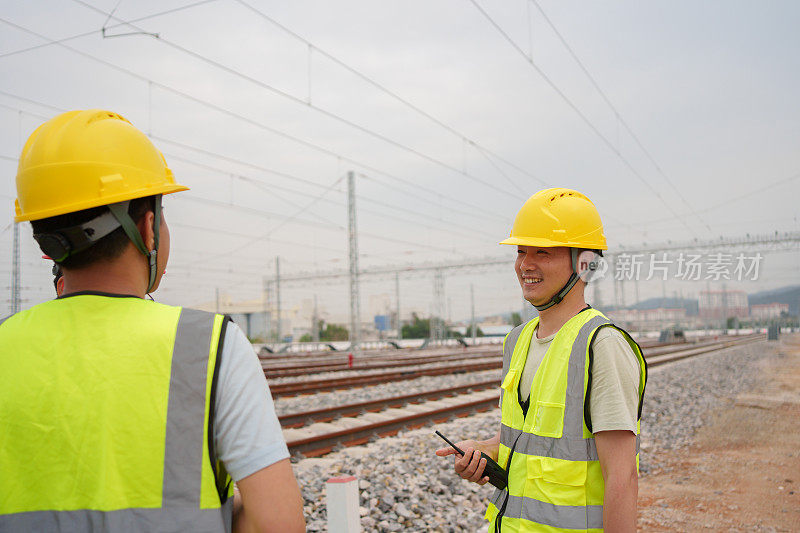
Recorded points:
(109, 247)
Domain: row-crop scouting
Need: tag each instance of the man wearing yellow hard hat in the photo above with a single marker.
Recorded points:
(572, 386)
(119, 413)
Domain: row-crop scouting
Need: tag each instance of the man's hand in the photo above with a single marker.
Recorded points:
(470, 466)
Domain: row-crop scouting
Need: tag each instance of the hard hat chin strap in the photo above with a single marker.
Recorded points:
(120, 212)
(573, 279)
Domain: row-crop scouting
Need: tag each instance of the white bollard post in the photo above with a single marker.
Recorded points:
(341, 495)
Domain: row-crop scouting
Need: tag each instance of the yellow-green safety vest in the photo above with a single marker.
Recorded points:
(555, 483)
(106, 418)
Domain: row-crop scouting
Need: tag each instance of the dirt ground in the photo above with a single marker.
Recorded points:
(742, 472)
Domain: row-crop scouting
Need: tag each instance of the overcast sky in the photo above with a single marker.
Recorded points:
(689, 128)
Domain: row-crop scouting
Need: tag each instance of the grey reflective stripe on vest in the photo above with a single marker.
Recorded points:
(508, 352)
(186, 417)
(567, 448)
(508, 347)
(175, 520)
(573, 411)
(560, 516)
(183, 455)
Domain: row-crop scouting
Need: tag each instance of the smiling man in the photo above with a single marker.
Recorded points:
(572, 386)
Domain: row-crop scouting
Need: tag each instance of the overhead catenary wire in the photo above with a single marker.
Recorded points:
(580, 113)
(93, 32)
(312, 46)
(750, 194)
(474, 213)
(240, 117)
(617, 114)
(327, 224)
(269, 187)
(323, 111)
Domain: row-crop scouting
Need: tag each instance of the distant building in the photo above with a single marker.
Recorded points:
(638, 319)
(723, 304)
(765, 311)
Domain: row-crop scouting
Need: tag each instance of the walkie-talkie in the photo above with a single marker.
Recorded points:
(497, 475)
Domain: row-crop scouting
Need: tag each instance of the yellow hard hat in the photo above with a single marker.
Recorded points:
(84, 159)
(558, 217)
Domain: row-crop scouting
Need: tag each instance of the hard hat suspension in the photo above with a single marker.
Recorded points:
(120, 212)
(69, 241)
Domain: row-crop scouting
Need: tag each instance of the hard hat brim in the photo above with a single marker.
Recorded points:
(547, 243)
(97, 202)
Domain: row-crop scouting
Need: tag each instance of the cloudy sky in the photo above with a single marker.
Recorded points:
(681, 120)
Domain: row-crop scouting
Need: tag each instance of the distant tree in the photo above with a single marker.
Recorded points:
(479, 333)
(419, 328)
(516, 319)
(306, 337)
(332, 332)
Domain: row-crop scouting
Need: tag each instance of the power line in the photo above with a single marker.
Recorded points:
(259, 184)
(394, 95)
(240, 117)
(268, 187)
(579, 113)
(321, 110)
(246, 179)
(247, 236)
(471, 214)
(617, 114)
(124, 23)
(283, 222)
(750, 194)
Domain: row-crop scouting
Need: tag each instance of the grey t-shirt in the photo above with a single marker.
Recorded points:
(614, 401)
(247, 434)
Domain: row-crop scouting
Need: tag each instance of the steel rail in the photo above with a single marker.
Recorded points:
(301, 419)
(322, 444)
(333, 367)
(321, 385)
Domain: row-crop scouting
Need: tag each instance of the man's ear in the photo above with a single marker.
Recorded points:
(146, 230)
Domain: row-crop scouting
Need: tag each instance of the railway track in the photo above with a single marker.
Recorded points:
(321, 444)
(359, 365)
(330, 384)
(289, 365)
(325, 415)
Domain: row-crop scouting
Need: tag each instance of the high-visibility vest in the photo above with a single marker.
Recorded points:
(555, 482)
(106, 418)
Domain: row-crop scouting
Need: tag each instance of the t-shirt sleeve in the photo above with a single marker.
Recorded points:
(614, 400)
(247, 434)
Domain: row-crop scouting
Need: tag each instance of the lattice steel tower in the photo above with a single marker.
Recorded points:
(352, 233)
